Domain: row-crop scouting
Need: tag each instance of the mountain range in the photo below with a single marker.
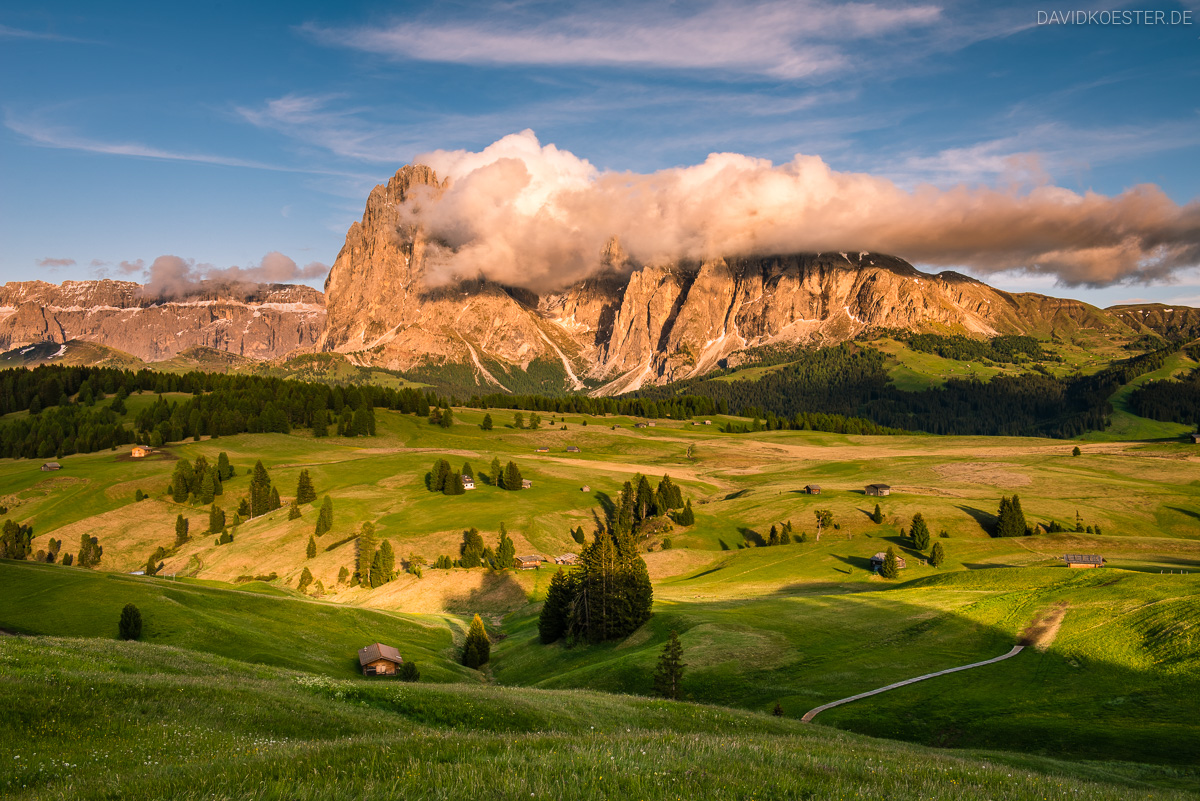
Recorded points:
(625, 326)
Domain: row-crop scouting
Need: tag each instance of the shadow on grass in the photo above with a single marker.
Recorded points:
(750, 535)
(986, 520)
(1188, 512)
(860, 562)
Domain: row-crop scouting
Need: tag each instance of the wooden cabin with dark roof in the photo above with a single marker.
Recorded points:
(1083, 560)
(378, 659)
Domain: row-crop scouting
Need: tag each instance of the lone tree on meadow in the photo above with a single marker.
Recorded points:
(471, 550)
(890, 568)
(478, 648)
(512, 477)
(447, 418)
(181, 530)
(919, 532)
(129, 627)
(937, 555)
(304, 488)
(325, 517)
(669, 672)
(877, 515)
(216, 519)
(487, 423)
(310, 550)
(824, 518)
(366, 554)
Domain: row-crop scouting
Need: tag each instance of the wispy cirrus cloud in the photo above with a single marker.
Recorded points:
(54, 136)
(782, 40)
(7, 32)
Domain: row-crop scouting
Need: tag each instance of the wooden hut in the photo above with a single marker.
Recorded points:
(879, 490)
(566, 559)
(48, 466)
(572, 449)
(1196, 438)
(1084, 560)
(526, 484)
(378, 659)
(813, 489)
(531, 562)
(878, 559)
(543, 450)
(139, 452)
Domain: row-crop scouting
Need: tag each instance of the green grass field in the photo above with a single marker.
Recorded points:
(797, 625)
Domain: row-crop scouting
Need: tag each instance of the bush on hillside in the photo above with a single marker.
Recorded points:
(129, 627)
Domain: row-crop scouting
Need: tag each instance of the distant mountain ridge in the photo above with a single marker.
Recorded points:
(626, 326)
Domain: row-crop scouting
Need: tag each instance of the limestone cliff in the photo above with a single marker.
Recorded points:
(262, 322)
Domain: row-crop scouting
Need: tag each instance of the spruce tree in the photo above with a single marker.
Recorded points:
(467, 471)
(181, 530)
(877, 515)
(306, 578)
(447, 418)
(383, 567)
(129, 627)
(471, 550)
(304, 488)
(218, 488)
(310, 550)
(216, 519)
(890, 568)
(512, 477)
(325, 517)
(293, 511)
(439, 475)
(224, 468)
(181, 481)
(669, 673)
(260, 490)
(643, 500)
(365, 554)
(937, 555)
(518, 420)
(686, 517)
(208, 489)
(487, 424)
(506, 552)
(626, 509)
(556, 611)
(919, 532)
(478, 648)
(275, 500)
(453, 485)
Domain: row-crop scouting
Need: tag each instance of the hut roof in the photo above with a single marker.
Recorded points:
(376, 651)
(530, 558)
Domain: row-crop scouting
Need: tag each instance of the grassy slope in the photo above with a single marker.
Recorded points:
(88, 719)
(803, 608)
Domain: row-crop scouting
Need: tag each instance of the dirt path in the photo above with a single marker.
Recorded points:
(1041, 632)
(812, 713)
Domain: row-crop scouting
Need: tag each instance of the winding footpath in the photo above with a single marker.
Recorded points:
(812, 713)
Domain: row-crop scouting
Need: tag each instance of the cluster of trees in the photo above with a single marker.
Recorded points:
(1006, 349)
(807, 421)
(61, 431)
(606, 597)
(473, 552)
(199, 480)
(640, 507)
(1010, 519)
(1176, 401)
(16, 540)
(1054, 526)
(441, 417)
(508, 478)
(442, 478)
(920, 538)
(375, 563)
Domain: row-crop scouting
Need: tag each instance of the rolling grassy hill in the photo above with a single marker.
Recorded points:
(799, 624)
(94, 719)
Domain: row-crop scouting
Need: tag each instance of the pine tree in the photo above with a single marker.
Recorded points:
(447, 418)
(626, 509)
(304, 488)
(181, 530)
(686, 517)
(224, 468)
(260, 490)
(208, 489)
(181, 481)
(471, 550)
(1010, 520)
(218, 488)
(453, 485)
(506, 552)
(129, 627)
(216, 519)
(535, 421)
(306, 578)
(556, 611)
(366, 554)
(439, 475)
(890, 568)
(919, 532)
(643, 500)
(383, 566)
(877, 515)
(467, 471)
(293, 511)
(478, 648)
(669, 673)
(937, 555)
(325, 517)
(275, 500)
(512, 477)
(243, 509)
(1076, 452)
(497, 474)
(773, 538)
(311, 550)
(518, 420)
(487, 424)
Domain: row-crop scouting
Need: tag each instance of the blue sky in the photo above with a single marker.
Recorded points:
(221, 134)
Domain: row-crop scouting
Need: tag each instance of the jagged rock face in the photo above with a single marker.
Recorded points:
(1173, 322)
(631, 324)
(263, 322)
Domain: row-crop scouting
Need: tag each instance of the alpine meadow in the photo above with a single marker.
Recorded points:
(808, 409)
